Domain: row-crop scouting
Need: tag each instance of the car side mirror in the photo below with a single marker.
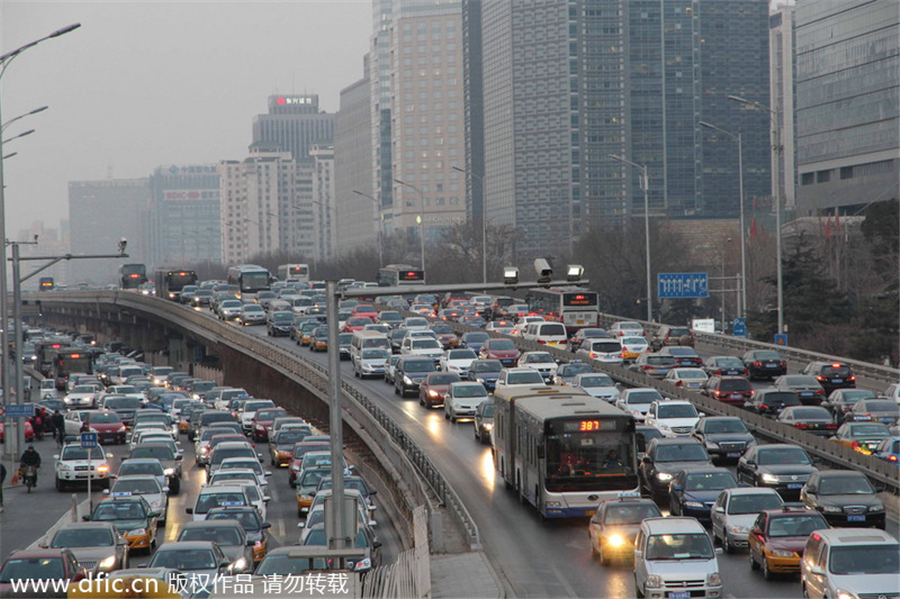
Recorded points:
(86, 517)
(638, 553)
(179, 457)
(267, 473)
(266, 498)
(373, 491)
(301, 524)
(879, 487)
(646, 460)
(56, 456)
(43, 544)
(756, 531)
(106, 491)
(817, 571)
(719, 551)
(266, 525)
(79, 576)
(188, 510)
(719, 509)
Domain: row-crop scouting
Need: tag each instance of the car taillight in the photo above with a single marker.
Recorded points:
(763, 406)
(892, 458)
(757, 364)
(820, 392)
(746, 372)
(677, 383)
(721, 393)
(831, 425)
(799, 425)
(851, 378)
(855, 444)
(820, 378)
(541, 341)
(719, 371)
(783, 363)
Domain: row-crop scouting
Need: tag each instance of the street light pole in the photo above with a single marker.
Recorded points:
(5, 389)
(483, 225)
(421, 218)
(645, 183)
(776, 146)
(740, 145)
(380, 226)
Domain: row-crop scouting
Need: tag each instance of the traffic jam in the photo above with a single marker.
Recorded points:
(687, 486)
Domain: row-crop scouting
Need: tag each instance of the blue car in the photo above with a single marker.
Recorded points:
(473, 340)
(485, 372)
(693, 492)
(888, 450)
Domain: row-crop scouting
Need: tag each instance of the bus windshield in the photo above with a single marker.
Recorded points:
(594, 461)
(254, 281)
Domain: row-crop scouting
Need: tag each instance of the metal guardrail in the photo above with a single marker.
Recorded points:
(827, 451)
(289, 364)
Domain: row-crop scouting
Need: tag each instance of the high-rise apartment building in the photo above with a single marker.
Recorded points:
(182, 222)
(847, 104)
(294, 124)
(781, 78)
(100, 214)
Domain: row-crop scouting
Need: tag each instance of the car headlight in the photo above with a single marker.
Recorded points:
(363, 564)
(713, 579)
(488, 426)
(711, 445)
(653, 581)
(769, 478)
(876, 508)
(121, 429)
(103, 469)
(433, 393)
(739, 530)
(169, 472)
(780, 553)
(407, 380)
(841, 594)
(240, 564)
(829, 509)
(693, 504)
(615, 540)
(137, 532)
(260, 427)
(64, 467)
(663, 476)
(107, 563)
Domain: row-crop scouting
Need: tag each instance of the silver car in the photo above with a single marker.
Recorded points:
(736, 510)
(97, 546)
(147, 486)
(229, 535)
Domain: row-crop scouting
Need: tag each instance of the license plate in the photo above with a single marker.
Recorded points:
(680, 595)
(806, 394)
(887, 419)
(771, 365)
(733, 454)
(589, 513)
(836, 381)
(856, 518)
(736, 396)
(795, 485)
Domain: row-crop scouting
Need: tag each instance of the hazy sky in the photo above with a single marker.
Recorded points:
(151, 83)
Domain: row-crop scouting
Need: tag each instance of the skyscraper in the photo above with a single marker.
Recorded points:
(294, 124)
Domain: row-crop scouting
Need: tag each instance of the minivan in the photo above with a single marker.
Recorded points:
(367, 340)
(674, 557)
(849, 562)
(546, 333)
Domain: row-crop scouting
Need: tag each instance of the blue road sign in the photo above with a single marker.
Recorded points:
(781, 339)
(739, 327)
(88, 440)
(20, 410)
(679, 285)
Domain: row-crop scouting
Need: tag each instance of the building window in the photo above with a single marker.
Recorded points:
(807, 178)
(823, 176)
(846, 172)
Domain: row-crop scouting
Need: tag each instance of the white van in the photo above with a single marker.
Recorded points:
(367, 340)
(844, 562)
(674, 557)
(546, 333)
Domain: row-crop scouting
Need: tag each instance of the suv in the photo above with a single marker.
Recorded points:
(669, 335)
(734, 390)
(409, 372)
(838, 562)
(75, 464)
(673, 557)
(831, 375)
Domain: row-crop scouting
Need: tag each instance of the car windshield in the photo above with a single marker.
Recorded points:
(32, 568)
(851, 396)
(488, 409)
(735, 385)
(679, 546)
(248, 518)
(690, 373)
(523, 378)
(879, 406)
(486, 366)
(239, 463)
(801, 525)
(782, 455)
(606, 346)
(661, 361)
(865, 430)
(845, 485)
(726, 425)
(596, 380)
(417, 322)
(112, 510)
(682, 452)
(83, 537)
(634, 341)
(539, 358)
(151, 468)
(104, 418)
(709, 481)
(766, 356)
(418, 366)
(811, 413)
(122, 403)
(160, 452)
(630, 513)
(76, 452)
(220, 535)
(779, 399)
(137, 487)
(643, 397)
(676, 411)
(282, 317)
(753, 504)
(426, 344)
(183, 559)
(290, 436)
(312, 478)
(475, 390)
(476, 337)
(207, 501)
(374, 354)
(84, 389)
(503, 345)
(461, 354)
(865, 559)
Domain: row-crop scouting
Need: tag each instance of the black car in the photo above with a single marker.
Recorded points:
(764, 364)
(812, 419)
(410, 371)
(248, 517)
(643, 435)
(485, 372)
(684, 356)
(845, 498)
(885, 411)
(484, 421)
(278, 324)
(782, 467)
(724, 365)
(665, 458)
(770, 402)
(396, 338)
(694, 491)
(831, 375)
(344, 340)
(725, 437)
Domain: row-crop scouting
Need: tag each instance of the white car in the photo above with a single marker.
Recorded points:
(518, 377)
(249, 409)
(672, 418)
(627, 328)
(230, 310)
(674, 558)
(371, 362)
(414, 323)
(254, 492)
(75, 464)
(422, 346)
(608, 351)
(541, 361)
(148, 487)
(839, 564)
(81, 396)
(248, 464)
(522, 322)
(463, 399)
(689, 378)
(458, 361)
(637, 401)
(633, 346)
(126, 390)
(893, 392)
(597, 384)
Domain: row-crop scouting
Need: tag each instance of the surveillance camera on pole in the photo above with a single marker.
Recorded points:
(122, 244)
(543, 270)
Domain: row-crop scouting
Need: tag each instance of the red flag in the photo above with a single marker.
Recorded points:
(837, 221)
(828, 227)
(753, 228)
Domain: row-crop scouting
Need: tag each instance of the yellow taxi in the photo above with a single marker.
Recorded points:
(319, 340)
(863, 437)
(133, 518)
(307, 483)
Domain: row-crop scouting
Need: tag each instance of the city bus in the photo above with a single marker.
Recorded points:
(250, 280)
(46, 284)
(67, 360)
(562, 450)
(294, 272)
(396, 275)
(575, 307)
(170, 282)
(132, 276)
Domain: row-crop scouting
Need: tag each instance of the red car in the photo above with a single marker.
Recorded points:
(300, 450)
(29, 431)
(365, 311)
(39, 564)
(263, 420)
(504, 350)
(356, 323)
(435, 387)
(734, 390)
(108, 425)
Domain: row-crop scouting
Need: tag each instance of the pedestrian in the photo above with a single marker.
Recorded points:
(2, 478)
